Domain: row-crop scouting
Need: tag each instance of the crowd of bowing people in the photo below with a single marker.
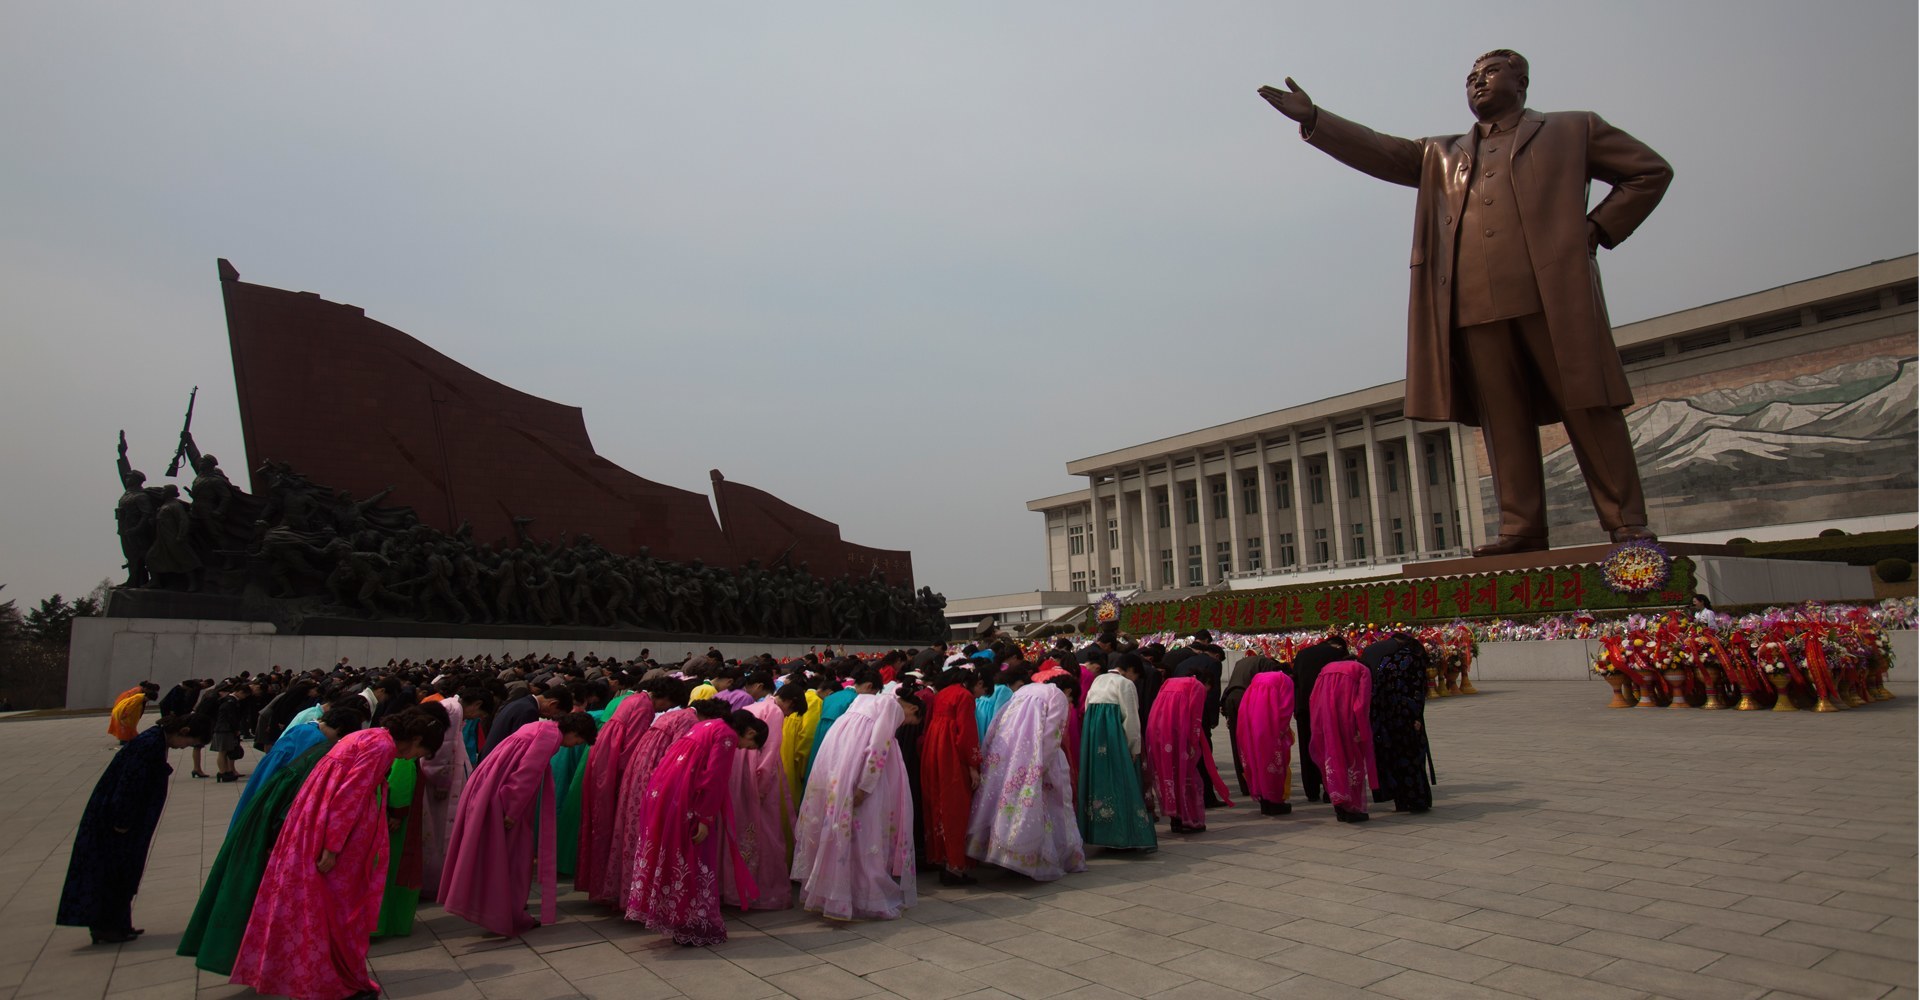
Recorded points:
(671, 793)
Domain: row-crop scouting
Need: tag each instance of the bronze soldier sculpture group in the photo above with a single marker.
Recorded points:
(300, 542)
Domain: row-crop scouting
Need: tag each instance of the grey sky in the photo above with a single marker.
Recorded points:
(903, 260)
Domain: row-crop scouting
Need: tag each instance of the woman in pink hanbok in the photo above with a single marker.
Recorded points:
(1263, 735)
(1342, 742)
(1023, 815)
(853, 839)
(505, 823)
(603, 780)
(669, 724)
(1179, 755)
(320, 897)
(764, 810)
(443, 776)
(687, 832)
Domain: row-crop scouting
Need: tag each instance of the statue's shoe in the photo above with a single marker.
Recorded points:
(1633, 533)
(1507, 545)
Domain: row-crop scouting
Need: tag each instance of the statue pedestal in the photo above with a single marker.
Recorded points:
(1573, 555)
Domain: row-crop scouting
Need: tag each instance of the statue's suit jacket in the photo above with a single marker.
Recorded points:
(1556, 157)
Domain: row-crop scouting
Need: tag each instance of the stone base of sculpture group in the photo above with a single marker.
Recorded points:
(111, 654)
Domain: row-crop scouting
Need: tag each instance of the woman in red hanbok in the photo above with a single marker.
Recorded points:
(320, 897)
(949, 774)
(687, 832)
(600, 799)
(1179, 755)
(1342, 741)
(1263, 735)
(668, 726)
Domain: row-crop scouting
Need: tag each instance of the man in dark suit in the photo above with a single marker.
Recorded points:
(1507, 328)
(1307, 664)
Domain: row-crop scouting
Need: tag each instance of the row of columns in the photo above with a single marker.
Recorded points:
(1140, 532)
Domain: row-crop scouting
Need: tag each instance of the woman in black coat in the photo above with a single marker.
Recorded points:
(110, 848)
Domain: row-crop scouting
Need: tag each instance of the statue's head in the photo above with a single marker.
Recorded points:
(207, 466)
(134, 479)
(170, 492)
(1497, 85)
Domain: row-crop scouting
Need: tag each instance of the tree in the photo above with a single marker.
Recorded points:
(51, 622)
(10, 627)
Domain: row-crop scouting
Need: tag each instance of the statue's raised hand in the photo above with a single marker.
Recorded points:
(1292, 102)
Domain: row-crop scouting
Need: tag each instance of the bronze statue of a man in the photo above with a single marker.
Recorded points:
(1507, 329)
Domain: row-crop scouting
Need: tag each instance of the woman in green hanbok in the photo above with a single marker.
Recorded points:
(404, 860)
(213, 934)
(1112, 809)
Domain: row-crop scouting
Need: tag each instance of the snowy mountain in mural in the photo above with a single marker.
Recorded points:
(1836, 443)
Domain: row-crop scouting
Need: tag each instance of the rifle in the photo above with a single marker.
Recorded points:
(180, 452)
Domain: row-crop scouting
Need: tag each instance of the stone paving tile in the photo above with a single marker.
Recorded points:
(1751, 871)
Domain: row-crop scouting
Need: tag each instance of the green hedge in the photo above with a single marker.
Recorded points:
(1512, 594)
(1863, 549)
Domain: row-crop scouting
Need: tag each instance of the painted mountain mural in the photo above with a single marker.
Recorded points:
(1836, 443)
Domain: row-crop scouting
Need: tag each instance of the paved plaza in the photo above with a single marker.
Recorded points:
(1572, 852)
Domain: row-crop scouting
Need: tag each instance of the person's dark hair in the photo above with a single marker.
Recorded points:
(198, 726)
(828, 684)
(150, 688)
(1127, 661)
(1515, 62)
(559, 695)
(437, 711)
(1020, 674)
(1704, 601)
(744, 722)
(673, 689)
(343, 720)
(869, 676)
(712, 708)
(475, 695)
(1068, 685)
(414, 724)
(957, 675)
(579, 724)
(794, 696)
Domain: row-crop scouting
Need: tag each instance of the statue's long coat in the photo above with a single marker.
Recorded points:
(1557, 157)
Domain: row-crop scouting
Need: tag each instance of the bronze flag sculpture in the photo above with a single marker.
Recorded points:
(1506, 325)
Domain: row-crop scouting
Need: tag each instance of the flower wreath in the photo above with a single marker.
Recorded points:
(1637, 568)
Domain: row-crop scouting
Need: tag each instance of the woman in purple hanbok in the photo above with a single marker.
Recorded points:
(853, 839)
(1023, 816)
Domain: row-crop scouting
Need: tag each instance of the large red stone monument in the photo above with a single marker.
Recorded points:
(356, 404)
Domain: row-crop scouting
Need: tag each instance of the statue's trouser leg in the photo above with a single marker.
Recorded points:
(1507, 375)
(1601, 443)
